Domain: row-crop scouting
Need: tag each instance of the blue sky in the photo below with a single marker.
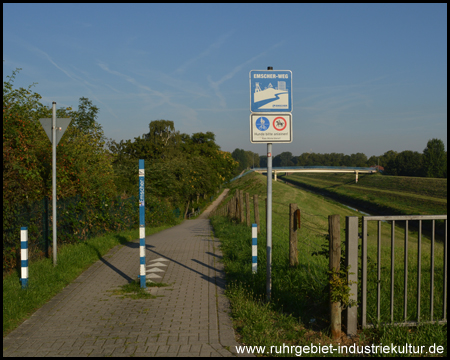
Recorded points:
(366, 78)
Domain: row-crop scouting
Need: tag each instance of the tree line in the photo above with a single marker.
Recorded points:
(179, 167)
(431, 163)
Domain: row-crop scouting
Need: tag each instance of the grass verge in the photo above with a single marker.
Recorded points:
(133, 290)
(298, 311)
(45, 281)
(406, 196)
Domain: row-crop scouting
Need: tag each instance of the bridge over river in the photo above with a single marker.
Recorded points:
(315, 169)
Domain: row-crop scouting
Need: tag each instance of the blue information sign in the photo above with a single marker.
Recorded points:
(270, 91)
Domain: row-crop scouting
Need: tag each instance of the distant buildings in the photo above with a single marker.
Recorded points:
(379, 168)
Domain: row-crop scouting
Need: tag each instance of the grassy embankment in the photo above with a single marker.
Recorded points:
(391, 195)
(298, 312)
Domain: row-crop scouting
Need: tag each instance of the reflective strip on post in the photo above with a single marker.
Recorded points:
(254, 248)
(24, 256)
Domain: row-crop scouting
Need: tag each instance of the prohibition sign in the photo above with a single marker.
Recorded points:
(280, 119)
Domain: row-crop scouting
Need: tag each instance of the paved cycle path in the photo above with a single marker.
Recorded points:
(188, 318)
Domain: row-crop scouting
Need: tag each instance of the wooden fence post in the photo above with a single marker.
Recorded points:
(237, 215)
(247, 208)
(294, 224)
(241, 206)
(334, 231)
(256, 210)
(232, 207)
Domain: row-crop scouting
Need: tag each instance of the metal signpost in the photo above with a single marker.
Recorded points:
(270, 121)
(54, 128)
(142, 223)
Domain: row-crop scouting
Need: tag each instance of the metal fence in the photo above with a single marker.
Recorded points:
(78, 220)
(352, 260)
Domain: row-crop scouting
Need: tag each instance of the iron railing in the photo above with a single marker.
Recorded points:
(352, 260)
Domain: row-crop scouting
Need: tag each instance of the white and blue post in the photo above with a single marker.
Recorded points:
(142, 223)
(24, 256)
(254, 248)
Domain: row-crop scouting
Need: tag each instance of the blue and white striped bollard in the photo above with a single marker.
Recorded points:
(142, 223)
(24, 256)
(254, 248)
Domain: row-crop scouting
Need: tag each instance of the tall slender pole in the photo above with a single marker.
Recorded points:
(269, 219)
(142, 224)
(269, 223)
(54, 179)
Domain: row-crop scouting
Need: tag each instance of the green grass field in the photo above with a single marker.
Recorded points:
(381, 194)
(435, 188)
(298, 312)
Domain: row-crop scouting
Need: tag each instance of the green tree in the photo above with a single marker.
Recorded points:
(161, 131)
(218, 164)
(252, 159)
(203, 143)
(406, 163)
(435, 159)
(240, 156)
(283, 159)
(313, 159)
(263, 161)
(335, 159)
(286, 159)
(358, 160)
(301, 160)
(163, 141)
(179, 167)
(386, 157)
(372, 161)
(83, 166)
(85, 119)
(23, 143)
